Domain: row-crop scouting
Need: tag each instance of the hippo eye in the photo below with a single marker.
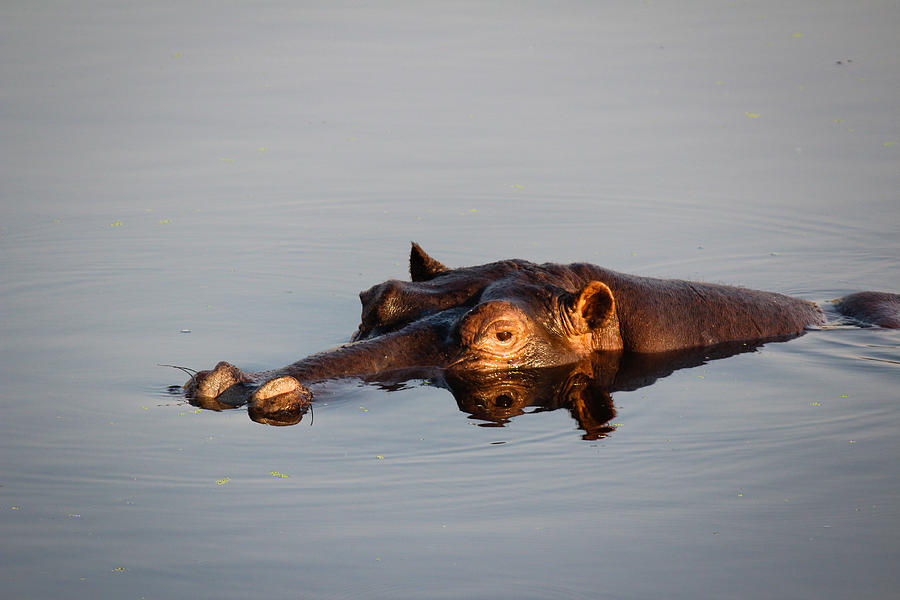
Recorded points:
(503, 401)
(495, 331)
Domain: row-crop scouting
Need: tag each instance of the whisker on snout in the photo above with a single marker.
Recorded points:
(190, 372)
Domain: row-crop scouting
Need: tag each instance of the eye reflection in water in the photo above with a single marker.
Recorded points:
(497, 397)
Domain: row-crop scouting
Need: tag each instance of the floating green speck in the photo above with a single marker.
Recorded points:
(116, 224)
(223, 481)
(753, 115)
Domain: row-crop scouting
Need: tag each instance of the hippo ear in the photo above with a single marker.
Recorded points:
(594, 305)
(421, 266)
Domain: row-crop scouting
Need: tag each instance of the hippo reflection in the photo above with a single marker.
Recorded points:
(495, 397)
(584, 389)
(512, 334)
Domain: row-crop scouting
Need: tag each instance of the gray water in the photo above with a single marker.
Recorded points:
(184, 183)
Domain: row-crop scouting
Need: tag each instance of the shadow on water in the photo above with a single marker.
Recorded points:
(496, 397)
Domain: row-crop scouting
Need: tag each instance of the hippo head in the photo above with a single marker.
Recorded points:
(489, 319)
(503, 315)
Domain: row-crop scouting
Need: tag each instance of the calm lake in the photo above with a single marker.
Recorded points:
(184, 183)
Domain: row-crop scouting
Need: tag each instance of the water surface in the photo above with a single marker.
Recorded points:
(185, 184)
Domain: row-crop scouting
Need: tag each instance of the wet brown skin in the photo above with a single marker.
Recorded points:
(513, 315)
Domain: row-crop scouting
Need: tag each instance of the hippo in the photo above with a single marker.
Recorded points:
(511, 334)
